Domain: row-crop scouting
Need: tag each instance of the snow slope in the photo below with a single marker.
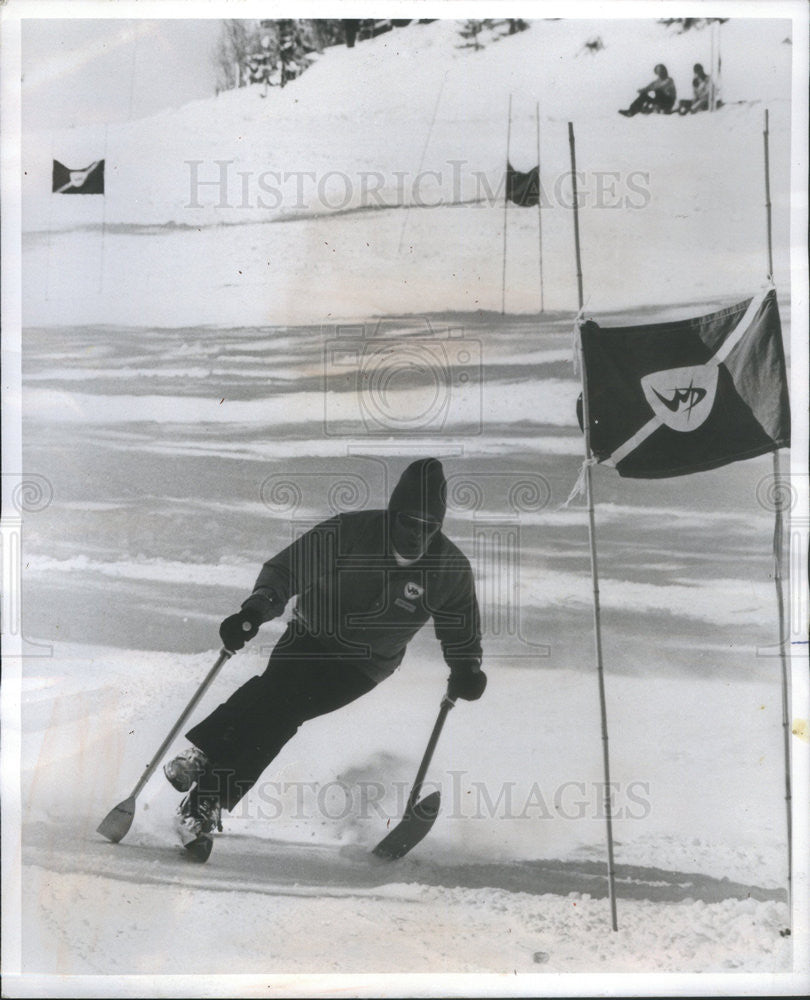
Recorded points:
(239, 184)
(178, 378)
(160, 516)
(513, 861)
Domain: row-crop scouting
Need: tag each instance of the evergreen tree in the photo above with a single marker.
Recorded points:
(687, 23)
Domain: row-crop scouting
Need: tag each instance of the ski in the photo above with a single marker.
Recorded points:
(411, 829)
(199, 849)
(420, 814)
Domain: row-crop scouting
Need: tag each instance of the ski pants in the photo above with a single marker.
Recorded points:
(656, 102)
(244, 734)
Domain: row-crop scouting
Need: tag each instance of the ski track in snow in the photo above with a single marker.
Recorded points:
(508, 911)
(166, 403)
(260, 864)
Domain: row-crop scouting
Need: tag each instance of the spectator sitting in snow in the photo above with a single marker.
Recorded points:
(704, 91)
(702, 88)
(658, 95)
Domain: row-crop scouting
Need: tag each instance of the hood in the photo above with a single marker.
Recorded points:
(421, 491)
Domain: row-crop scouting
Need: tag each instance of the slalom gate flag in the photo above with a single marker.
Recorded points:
(674, 398)
(523, 189)
(88, 180)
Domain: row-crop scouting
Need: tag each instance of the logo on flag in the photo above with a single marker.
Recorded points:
(86, 180)
(682, 398)
(670, 399)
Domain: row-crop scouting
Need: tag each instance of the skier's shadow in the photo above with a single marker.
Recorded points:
(356, 867)
(632, 881)
(257, 864)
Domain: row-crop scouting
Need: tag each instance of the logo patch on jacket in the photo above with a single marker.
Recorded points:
(413, 590)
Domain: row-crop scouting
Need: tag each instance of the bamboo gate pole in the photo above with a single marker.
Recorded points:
(594, 566)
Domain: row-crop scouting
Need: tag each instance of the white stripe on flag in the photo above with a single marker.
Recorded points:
(740, 329)
(633, 442)
(725, 349)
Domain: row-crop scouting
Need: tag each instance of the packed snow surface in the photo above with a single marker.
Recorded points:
(186, 409)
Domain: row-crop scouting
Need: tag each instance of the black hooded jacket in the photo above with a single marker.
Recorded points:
(360, 605)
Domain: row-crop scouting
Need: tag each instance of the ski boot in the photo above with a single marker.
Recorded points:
(198, 816)
(184, 769)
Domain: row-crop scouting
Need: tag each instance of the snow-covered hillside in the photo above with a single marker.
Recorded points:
(673, 208)
(177, 351)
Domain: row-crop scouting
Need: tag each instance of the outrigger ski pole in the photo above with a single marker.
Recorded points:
(117, 822)
(419, 816)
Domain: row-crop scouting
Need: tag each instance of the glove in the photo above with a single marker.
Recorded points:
(238, 629)
(467, 681)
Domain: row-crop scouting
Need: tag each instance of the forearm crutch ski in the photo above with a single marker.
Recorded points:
(118, 820)
(419, 816)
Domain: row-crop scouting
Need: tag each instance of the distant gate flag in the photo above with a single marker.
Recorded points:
(88, 180)
(670, 399)
(523, 189)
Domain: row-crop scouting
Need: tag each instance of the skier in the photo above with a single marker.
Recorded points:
(366, 582)
(658, 95)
